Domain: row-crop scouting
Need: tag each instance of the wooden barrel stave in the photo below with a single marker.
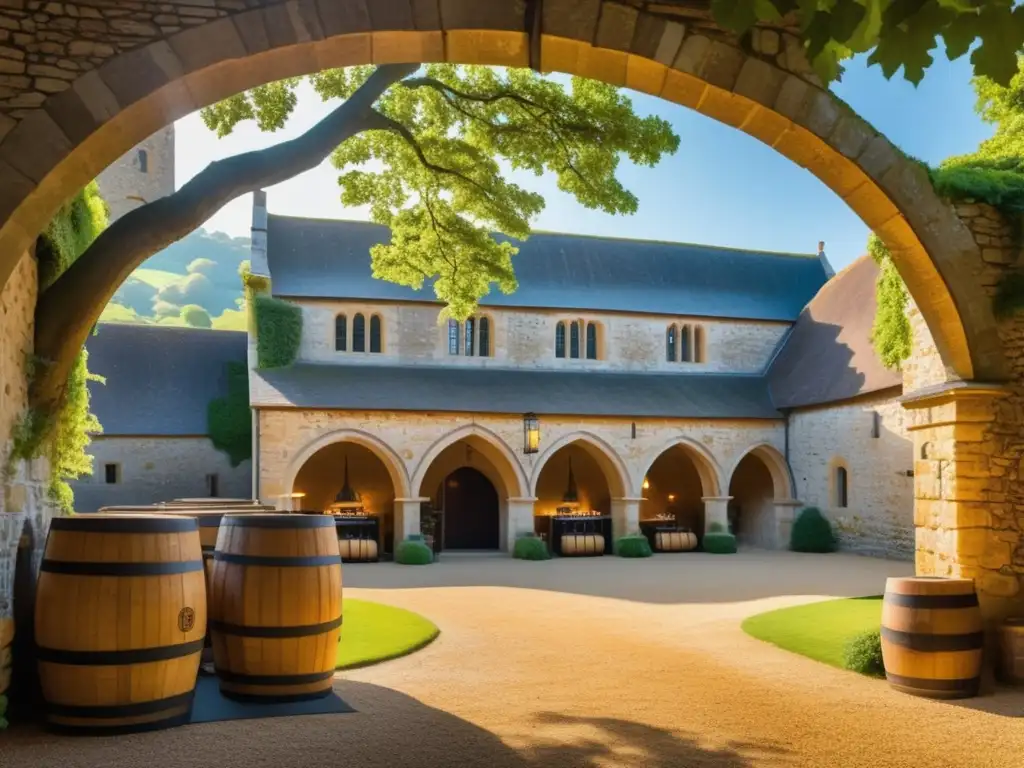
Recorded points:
(276, 607)
(932, 637)
(119, 622)
(6, 653)
(357, 550)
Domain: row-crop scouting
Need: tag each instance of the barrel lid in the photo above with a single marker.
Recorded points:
(103, 523)
(928, 585)
(269, 520)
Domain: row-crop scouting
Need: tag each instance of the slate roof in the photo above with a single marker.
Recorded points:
(159, 378)
(316, 258)
(489, 390)
(827, 355)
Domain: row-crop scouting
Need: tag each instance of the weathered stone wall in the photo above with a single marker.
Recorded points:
(125, 186)
(156, 469)
(526, 339)
(879, 518)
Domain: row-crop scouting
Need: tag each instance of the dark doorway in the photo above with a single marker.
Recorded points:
(469, 511)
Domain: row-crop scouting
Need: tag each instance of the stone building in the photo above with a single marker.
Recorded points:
(143, 174)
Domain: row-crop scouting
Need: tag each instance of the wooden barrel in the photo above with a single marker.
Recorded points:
(6, 653)
(1011, 648)
(275, 606)
(119, 622)
(675, 541)
(357, 550)
(932, 637)
(582, 544)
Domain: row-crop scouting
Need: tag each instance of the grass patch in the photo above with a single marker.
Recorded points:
(819, 631)
(118, 313)
(156, 278)
(373, 633)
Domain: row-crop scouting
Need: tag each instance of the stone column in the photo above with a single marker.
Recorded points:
(785, 514)
(407, 517)
(716, 510)
(518, 521)
(625, 516)
(966, 475)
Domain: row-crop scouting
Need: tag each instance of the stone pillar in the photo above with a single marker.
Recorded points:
(966, 470)
(518, 521)
(716, 510)
(407, 517)
(785, 514)
(625, 517)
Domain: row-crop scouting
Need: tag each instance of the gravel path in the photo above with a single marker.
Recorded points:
(589, 663)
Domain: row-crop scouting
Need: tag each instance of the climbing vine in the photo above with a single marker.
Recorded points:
(278, 331)
(63, 434)
(229, 420)
(891, 333)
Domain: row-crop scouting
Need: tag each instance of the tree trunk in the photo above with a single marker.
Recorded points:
(68, 309)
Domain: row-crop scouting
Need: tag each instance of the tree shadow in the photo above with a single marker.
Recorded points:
(995, 699)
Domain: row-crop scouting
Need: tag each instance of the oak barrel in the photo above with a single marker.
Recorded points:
(582, 544)
(119, 622)
(357, 550)
(675, 541)
(932, 636)
(1011, 647)
(275, 606)
(6, 653)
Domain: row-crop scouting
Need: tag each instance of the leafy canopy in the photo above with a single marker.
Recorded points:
(898, 33)
(430, 164)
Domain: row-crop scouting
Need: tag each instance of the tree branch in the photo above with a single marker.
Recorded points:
(68, 310)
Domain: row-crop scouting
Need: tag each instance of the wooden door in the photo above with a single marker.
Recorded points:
(470, 511)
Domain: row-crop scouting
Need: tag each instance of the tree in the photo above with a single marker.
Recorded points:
(195, 316)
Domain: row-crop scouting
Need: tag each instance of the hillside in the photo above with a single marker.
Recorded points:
(198, 271)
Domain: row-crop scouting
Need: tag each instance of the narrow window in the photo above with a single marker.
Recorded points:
(453, 337)
(375, 333)
(670, 344)
(684, 344)
(485, 337)
(560, 340)
(574, 340)
(841, 487)
(212, 486)
(876, 424)
(469, 336)
(340, 333)
(359, 333)
(591, 341)
(698, 344)
(143, 161)
(112, 473)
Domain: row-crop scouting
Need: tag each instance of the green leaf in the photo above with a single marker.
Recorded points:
(1002, 34)
(865, 36)
(765, 10)
(845, 19)
(736, 15)
(959, 36)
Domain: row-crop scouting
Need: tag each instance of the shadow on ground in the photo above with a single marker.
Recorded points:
(390, 730)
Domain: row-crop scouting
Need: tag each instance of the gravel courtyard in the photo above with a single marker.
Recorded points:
(602, 662)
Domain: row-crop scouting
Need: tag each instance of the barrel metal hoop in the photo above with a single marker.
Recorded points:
(965, 685)
(99, 729)
(126, 524)
(69, 568)
(928, 643)
(306, 630)
(120, 710)
(932, 602)
(279, 521)
(118, 658)
(242, 679)
(276, 562)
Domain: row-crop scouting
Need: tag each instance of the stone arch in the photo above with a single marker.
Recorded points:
(778, 468)
(707, 466)
(55, 149)
(510, 472)
(612, 466)
(394, 465)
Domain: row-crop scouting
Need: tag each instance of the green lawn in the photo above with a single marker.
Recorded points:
(118, 313)
(819, 630)
(373, 633)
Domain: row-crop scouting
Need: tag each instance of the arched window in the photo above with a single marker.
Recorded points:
(560, 340)
(453, 337)
(359, 333)
(375, 333)
(340, 333)
(591, 341)
(684, 344)
(670, 343)
(485, 337)
(143, 158)
(698, 344)
(842, 488)
(574, 340)
(470, 325)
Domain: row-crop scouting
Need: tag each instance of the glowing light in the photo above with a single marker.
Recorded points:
(647, 484)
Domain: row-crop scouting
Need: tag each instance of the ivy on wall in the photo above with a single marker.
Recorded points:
(229, 419)
(278, 331)
(891, 334)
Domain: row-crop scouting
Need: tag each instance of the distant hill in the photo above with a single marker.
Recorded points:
(200, 269)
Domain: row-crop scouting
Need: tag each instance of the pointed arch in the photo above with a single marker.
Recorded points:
(671, 334)
(493, 448)
(392, 462)
(708, 468)
(782, 477)
(614, 469)
(560, 339)
(358, 332)
(376, 334)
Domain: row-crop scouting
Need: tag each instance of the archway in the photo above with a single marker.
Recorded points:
(676, 483)
(469, 516)
(55, 149)
(759, 480)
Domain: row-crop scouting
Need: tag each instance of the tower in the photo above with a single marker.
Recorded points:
(143, 174)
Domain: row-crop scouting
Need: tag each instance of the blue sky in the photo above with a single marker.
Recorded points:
(721, 188)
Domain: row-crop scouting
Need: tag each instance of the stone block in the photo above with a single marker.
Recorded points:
(616, 27)
(397, 14)
(998, 584)
(476, 46)
(472, 14)
(682, 88)
(342, 18)
(645, 75)
(35, 146)
(210, 43)
(692, 53)
(133, 75)
(821, 112)
(760, 82)
(573, 19)
(721, 65)
(726, 108)
(792, 95)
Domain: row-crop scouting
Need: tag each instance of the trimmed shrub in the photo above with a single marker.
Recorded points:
(718, 543)
(278, 331)
(530, 548)
(413, 552)
(863, 653)
(633, 546)
(812, 532)
(716, 528)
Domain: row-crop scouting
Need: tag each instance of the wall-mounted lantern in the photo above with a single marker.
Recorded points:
(531, 433)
